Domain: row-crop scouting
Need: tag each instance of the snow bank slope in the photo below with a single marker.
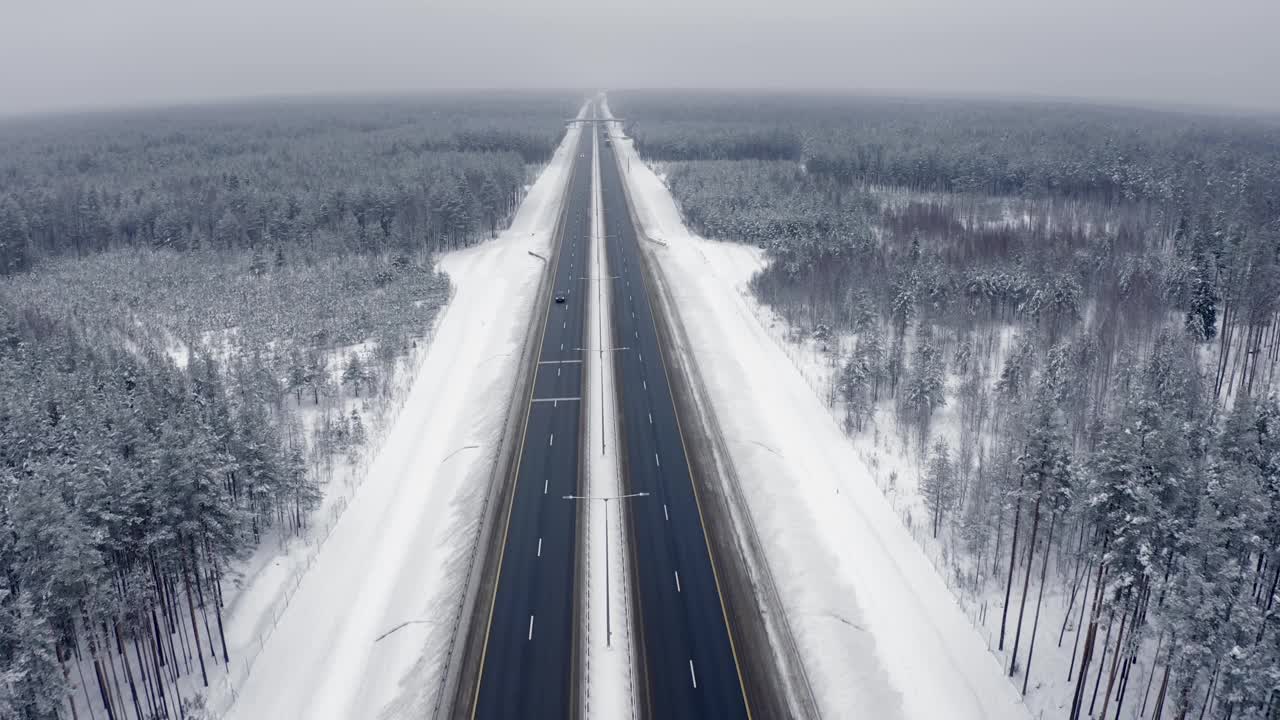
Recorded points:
(881, 635)
(399, 554)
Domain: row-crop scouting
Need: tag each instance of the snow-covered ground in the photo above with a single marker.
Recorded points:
(896, 465)
(609, 684)
(880, 633)
(365, 626)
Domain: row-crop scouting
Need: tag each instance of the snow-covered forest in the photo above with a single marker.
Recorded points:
(1055, 329)
(206, 314)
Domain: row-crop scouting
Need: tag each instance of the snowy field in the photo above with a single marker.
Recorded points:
(369, 619)
(881, 634)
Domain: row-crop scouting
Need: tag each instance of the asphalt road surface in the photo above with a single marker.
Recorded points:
(690, 667)
(526, 669)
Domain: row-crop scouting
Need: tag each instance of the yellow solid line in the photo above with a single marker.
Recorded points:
(493, 600)
(680, 430)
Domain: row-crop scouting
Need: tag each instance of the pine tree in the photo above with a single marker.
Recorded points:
(353, 374)
(358, 433)
(855, 391)
(14, 251)
(32, 665)
(1202, 312)
(297, 374)
(938, 486)
(925, 391)
(317, 374)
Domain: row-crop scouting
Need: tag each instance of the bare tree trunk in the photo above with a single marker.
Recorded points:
(1026, 582)
(1102, 660)
(180, 627)
(66, 677)
(1124, 682)
(102, 685)
(1013, 556)
(128, 671)
(1115, 664)
(995, 552)
(216, 583)
(1259, 571)
(156, 650)
(1158, 713)
(186, 579)
(171, 629)
(1236, 361)
(1076, 574)
(1146, 692)
(113, 678)
(1224, 346)
(1084, 603)
(1077, 700)
(152, 710)
(84, 684)
(204, 610)
(1257, 356)
(1035, 624)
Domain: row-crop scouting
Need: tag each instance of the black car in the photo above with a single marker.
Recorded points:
(559, 299)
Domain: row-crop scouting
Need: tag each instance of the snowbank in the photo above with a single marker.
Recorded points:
(609, 686)
(368, 622)
(881, 634)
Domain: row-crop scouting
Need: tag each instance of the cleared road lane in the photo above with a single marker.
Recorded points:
(525, 671)
(690, 667)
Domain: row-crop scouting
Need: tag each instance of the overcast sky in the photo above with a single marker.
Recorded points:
(90, 53)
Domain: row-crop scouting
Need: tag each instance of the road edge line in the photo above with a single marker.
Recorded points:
(464, 670)
(671, 328)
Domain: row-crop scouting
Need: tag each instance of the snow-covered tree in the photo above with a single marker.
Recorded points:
(938, 485)
(925, 390)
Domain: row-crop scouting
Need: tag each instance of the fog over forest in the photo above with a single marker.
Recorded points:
(84, 54)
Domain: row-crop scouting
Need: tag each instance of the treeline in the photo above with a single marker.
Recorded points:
(845, 252)
(430, 173)
(1092, 296)
(239, 303)
(1061, 150)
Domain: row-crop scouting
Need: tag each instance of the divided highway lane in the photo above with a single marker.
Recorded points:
(525, 671)
(690, 666)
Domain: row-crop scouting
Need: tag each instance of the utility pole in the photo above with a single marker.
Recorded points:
(608, 623)
(602, 351)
